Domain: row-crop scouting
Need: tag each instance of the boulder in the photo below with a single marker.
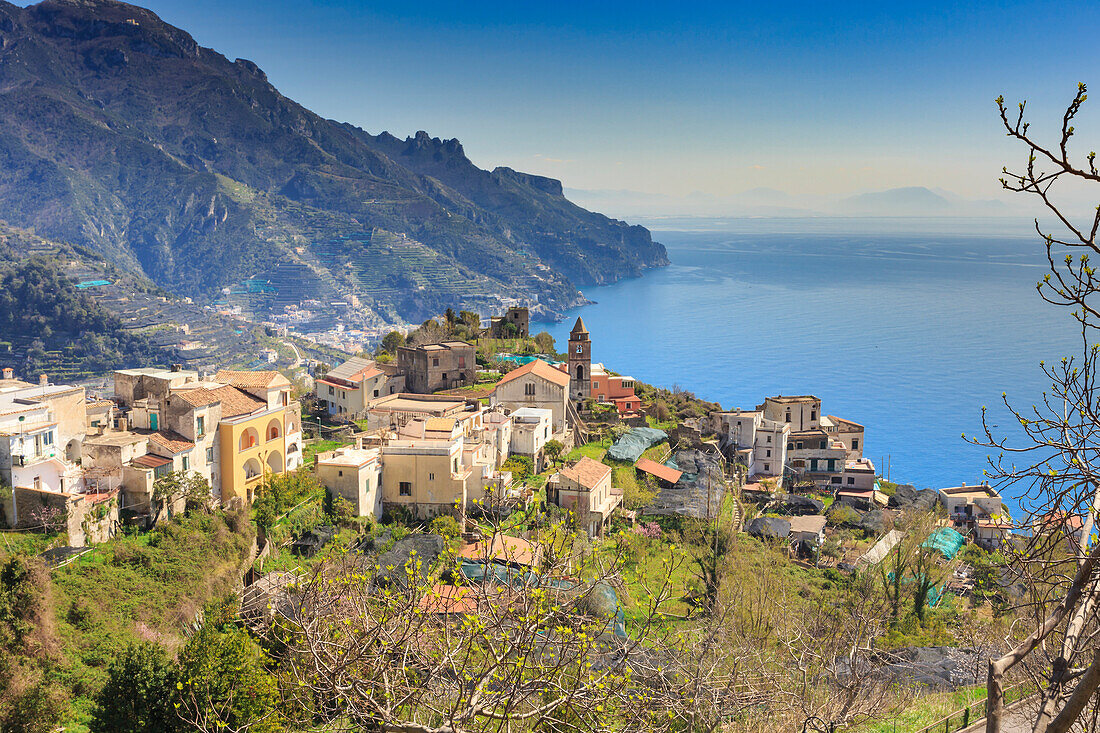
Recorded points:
(938, 667)
(800, 505)
(904, 497)
(769, 528)
(926, 500)
(874, 522)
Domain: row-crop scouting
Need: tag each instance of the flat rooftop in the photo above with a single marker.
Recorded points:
(971, 492)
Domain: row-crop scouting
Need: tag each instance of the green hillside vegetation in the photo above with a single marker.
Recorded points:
(49, 326)
(60, 629)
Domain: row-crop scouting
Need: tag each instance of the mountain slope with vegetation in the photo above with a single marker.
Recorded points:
(119, 132)
(48, 325)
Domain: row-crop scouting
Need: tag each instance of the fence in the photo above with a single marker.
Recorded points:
(975, 711)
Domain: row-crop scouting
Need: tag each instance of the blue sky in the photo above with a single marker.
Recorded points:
(808, 97)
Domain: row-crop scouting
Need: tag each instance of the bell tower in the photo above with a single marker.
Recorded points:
(580, 364)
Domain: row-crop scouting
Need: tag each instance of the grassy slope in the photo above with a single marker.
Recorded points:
(136, 587)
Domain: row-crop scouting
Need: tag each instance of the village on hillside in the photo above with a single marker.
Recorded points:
(467, 446)
(428, 432)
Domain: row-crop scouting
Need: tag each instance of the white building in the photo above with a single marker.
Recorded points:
(532, 429)
(759, 442)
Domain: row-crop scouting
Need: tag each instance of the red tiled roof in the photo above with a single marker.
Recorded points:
(587, 472)
(665, 473)
(246, 379)
(538, 368)
(448, 599)
(234, 401)
(151, 461)
(503, 548)
(171, 440)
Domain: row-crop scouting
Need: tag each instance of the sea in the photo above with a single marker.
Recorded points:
(907, 326)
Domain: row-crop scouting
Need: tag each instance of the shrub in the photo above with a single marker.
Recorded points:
(445, 526)
(520, 466)
(841, 514)
(139, 695)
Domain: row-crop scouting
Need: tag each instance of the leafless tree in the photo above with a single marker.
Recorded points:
(1052, 462)
(436, 653)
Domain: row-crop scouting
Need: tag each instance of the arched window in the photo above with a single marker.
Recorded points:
(275, 462)
(274, 430)
(249, 439)
(580, 371)
(252, 469)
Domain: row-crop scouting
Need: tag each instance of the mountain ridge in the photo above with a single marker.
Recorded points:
(120, 132)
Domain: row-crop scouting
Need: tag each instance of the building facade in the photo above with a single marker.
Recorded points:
(537, 385)
(434, 367)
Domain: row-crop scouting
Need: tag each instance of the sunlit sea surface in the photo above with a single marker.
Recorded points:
(905, 326)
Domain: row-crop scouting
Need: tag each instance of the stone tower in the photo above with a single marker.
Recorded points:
(580, 364)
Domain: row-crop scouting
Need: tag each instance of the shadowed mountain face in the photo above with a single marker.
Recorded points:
(119, 132)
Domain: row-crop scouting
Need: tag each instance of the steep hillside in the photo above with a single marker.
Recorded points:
(119, 132)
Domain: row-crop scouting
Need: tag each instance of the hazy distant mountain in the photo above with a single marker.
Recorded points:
(119, 132)
(914, 201)
(910, 201)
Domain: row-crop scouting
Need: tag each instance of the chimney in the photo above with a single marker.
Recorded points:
(123, 424)
(43, 380)
(8, 373)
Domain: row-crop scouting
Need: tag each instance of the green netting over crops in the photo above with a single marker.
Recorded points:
(946, 540)
(631, 446)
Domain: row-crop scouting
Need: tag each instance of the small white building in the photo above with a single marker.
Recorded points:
(532, 429)
(760, 443)
(354, 474)
(970, 503)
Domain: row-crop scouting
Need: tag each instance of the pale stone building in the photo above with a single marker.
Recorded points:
(538, 385)
(356, 475)
(585, 489)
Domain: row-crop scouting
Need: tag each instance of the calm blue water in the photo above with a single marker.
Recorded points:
(908, 333)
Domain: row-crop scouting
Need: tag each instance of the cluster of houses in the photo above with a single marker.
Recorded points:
(86, 464)
(790, 440)
(89, 463)
(432, 454)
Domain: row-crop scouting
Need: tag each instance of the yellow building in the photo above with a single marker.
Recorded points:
(258, 429)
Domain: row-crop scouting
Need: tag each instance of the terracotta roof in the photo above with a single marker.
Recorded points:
(502, 548)
(538, 368)
(1059, 516)
(171, 440)
(245, 379)
(448, 599)
(586, 472)
(665, 473)
(150, 461)
(234, 401)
